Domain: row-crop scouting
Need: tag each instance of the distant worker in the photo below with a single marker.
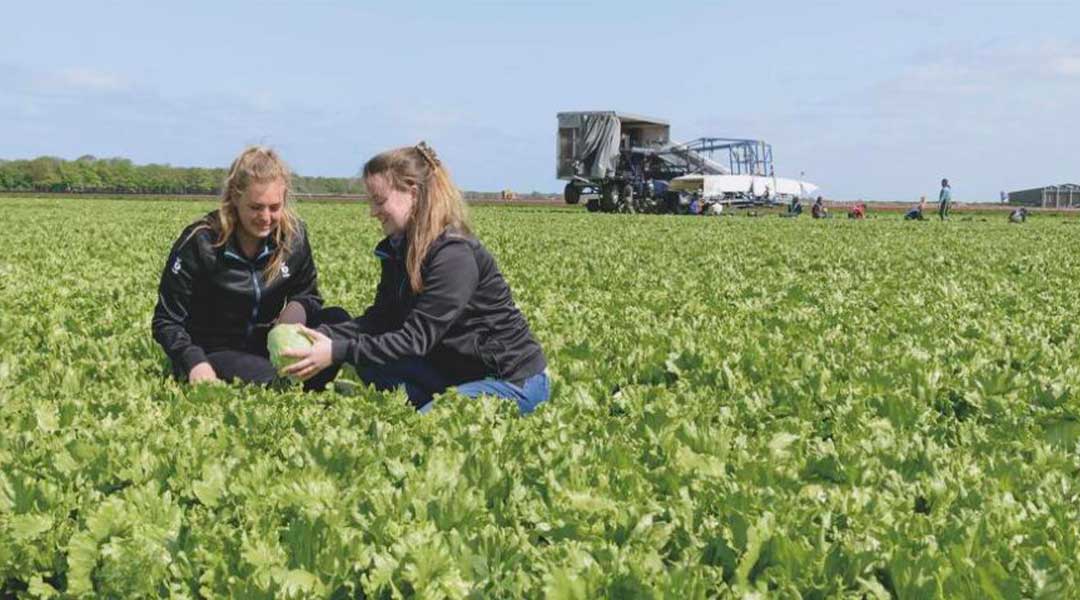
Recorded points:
(1004, 197)
(944, 200)
(818, 210)
(794, 208)
(694, 208)
(916, 212)
(858, 211)
(1018, 215)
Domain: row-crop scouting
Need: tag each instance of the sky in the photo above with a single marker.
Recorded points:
(874, 100)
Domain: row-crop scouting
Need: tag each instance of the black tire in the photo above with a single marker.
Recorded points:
(671, 203)
(592, 204)
(609, 200)
(572, 194)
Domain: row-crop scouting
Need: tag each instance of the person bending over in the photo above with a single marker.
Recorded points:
(916, 212)
(1018, 215)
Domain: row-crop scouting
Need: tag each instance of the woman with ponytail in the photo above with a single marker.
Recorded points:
(443, 316)
(234, 273)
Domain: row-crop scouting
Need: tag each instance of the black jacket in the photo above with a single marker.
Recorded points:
(214, 299)
(464, 322)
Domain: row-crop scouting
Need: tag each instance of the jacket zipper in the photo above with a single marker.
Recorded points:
(256, 290)
(258, 299)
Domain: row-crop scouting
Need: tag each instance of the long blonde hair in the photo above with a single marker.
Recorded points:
(257, 164)
(438, 207)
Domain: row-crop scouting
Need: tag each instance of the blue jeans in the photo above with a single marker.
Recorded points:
(422, 382)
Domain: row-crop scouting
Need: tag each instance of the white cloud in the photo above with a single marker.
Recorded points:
(264, 101)
(1009, 69)
(94, 80)
(1069, 66)
(992, 116)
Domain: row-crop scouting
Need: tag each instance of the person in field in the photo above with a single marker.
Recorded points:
(858, 211)
(694, 208)
(794, 208)
(916, 212)
(1018, 215)
(818, 210)
(443, 315)
(944, 200)
(234, 273)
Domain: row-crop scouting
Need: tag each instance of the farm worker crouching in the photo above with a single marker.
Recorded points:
(818, 210)
(944, 200)
(1018, 215)
(795, 208)
(694, 208)
(443, 316)
(234, 273)
(916, 212)
(858, 211)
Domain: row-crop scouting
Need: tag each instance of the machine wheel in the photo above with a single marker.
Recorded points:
(572, 194)
(671, 203)
(609, 197)
(592, 204)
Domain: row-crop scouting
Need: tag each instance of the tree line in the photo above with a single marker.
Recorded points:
(89, 174)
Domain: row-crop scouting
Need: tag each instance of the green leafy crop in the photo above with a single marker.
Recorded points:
(741, 408)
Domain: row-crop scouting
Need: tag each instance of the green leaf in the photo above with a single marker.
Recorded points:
(30, 526)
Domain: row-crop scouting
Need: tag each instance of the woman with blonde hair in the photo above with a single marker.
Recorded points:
(443, 316)
(234, 273)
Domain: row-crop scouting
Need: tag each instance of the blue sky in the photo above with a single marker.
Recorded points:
(872, 100)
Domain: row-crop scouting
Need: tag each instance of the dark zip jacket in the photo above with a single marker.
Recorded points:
(464, 322)
(213, 299)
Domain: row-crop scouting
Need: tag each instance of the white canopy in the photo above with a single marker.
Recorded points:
(715, 186)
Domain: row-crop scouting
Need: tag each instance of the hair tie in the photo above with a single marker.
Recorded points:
(428, 154)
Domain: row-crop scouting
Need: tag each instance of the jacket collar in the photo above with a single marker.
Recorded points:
(395, 247)
(391, 247)
(232, 250)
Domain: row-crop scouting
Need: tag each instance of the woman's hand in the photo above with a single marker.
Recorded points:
(312, 360)
(202, 373)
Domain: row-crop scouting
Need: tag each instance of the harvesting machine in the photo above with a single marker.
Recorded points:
(620, 162)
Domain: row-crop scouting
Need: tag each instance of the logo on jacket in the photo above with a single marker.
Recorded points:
(285, 271)
(176, 267)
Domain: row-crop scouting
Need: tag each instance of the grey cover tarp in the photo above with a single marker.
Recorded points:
(600, 142)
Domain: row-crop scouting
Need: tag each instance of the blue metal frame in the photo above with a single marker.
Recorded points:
(745, 157)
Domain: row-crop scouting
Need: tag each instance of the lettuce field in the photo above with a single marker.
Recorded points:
(741, 407)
